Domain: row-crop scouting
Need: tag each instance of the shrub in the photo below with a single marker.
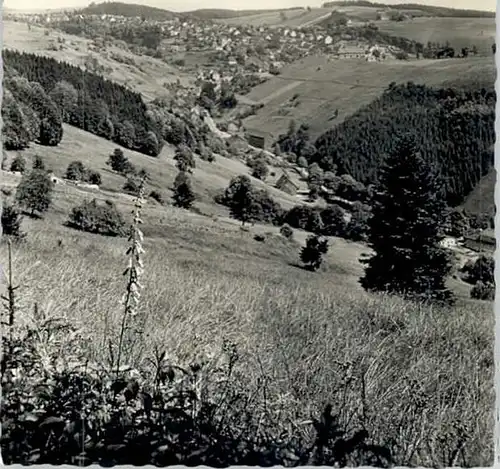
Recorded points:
(155, 195)
(312, 253)
(18, 164)
(260, 238)
(93, 217)
(482, 270)
(184, 159)
(11, 222)
(93, 177)
(483, 291)
(75, 171)
(38, 163)
(132, 185)
(259, 168)
(286, 231)
(35, 191)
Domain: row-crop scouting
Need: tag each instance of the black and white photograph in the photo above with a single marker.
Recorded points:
(248, 233)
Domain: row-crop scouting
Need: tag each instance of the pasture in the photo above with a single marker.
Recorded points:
(93, 152)
(323, 85)
(143, 74)
(459, 32)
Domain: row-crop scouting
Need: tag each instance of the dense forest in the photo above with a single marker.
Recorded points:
(455, 129)
(58, 91)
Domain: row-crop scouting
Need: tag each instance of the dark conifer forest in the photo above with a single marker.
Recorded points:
(56, 90)
(454, 129)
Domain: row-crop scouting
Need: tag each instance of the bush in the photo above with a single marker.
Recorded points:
(38, 163)
(93, 177)
(286, 231)
(132, 185)
(75, 171)
(312, 253)
(92, 217)
(482, 270)
(18, 164)
(155, 195)
(483, 291)
(259, 168)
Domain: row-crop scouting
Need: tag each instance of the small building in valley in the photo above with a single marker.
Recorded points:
(258, 139)
(285, 184)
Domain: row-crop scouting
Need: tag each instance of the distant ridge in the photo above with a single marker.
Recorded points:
(430, 10)
(129, 10)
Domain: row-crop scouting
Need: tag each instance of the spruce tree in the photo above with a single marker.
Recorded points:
(406, 227)
(183, 193)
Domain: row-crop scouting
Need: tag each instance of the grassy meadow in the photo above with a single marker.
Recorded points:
(459, 32)
(424, 369)
(323, 85)
(143, 74)
(93, 152)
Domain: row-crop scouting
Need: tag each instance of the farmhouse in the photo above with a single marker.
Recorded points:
(258, 139)
(285, 184)
(483, 241)
(350, 51)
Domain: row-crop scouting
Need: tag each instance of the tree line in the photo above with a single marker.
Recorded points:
(57, 91)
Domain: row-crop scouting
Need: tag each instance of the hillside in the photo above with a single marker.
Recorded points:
(416, 9)
(454, 130)
(458, 32)
(93, 151)
(220, 13)
(482, 198)
(128, 10)
(294, 18)
(324, 86)
(143, 74)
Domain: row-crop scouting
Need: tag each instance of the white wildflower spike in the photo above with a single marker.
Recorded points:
(135, 268)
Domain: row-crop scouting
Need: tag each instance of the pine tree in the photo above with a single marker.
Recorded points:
(35, 191)
(405, 229)
(119, 162)
(183, 193)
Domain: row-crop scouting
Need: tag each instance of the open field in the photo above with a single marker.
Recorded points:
(292, 18)
(208, 281)
(460, 32)
(143, 74)
(323, 85)
(93, 152)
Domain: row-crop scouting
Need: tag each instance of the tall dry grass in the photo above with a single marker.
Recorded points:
(418, 378)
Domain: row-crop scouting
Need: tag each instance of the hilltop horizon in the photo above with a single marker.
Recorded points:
(180, 6)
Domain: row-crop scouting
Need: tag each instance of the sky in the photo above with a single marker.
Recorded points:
(184, 5)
